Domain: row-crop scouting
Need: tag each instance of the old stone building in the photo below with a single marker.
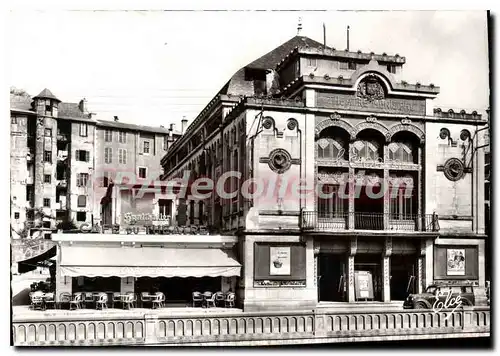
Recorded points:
(60, 154)
(346, 122)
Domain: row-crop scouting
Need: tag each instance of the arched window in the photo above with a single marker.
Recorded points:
(401, 152)
(330, 148)
(365, 151)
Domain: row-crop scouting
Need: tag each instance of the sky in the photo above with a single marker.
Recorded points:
(155, 67)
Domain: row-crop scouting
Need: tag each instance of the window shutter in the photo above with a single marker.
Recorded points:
(77, 155)
(87, 156)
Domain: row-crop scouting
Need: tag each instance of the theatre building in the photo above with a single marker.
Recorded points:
(402, 188)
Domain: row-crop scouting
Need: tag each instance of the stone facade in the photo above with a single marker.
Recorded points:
(351, 124)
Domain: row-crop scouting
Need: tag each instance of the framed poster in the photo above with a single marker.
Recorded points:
(279, 261)
(455, 262)
(363, 284)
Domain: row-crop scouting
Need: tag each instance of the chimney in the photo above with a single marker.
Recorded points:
(116, 118)
(183, 125)
(83, 105)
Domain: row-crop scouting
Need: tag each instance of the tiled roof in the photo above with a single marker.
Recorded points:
(125, 126)
(46, 94)
(71, 110)
(271, 59)
(20, 102)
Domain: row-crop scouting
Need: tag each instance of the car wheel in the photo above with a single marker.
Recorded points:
(420, 305)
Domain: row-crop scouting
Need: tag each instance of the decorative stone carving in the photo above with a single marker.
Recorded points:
(371, 88)
(280, 160)
(386, 271)
(335, 122)
(407, 126)
(335, 116)
(292, 124)
(464, 135)
(375, 125)
(371, 119)
(405, 121)
(444, 133)
(268, 123)
(388, 246)
(454, 169)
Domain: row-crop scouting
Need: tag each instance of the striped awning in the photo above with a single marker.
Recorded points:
(101, 261)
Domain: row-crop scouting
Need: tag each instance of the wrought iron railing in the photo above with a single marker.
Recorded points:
(313, 220)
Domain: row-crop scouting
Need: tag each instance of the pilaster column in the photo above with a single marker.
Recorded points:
(421, 268)
(387, 202)
(386, 277)
(352, 189)
(419, 192)
(350, 270)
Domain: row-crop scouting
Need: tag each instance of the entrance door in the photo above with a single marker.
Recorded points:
(403, 276)
(371, 263)
(332, 274)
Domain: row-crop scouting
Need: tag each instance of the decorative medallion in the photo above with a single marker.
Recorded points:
(405, 121)
(454, 169)
(268, 123)
(371, 89)
(292, 124)
(335, 116)
(280, 160)
(444, 133)
(464, 135)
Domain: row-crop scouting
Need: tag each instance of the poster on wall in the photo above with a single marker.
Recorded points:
(455, 264)
(363, 284)
(279, 261)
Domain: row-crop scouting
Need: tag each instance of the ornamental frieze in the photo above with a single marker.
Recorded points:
(343, 101)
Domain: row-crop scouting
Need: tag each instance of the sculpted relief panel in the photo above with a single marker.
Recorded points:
(371, 103)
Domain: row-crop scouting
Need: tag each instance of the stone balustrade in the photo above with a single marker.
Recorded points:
(244, 328)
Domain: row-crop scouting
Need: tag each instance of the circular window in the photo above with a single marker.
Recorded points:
(454, 169)
(279, 160)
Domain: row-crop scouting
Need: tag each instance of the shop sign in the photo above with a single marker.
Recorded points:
(363, 284)
(279, 261)
(455, 262)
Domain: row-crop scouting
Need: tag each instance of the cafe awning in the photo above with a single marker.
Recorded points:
(124, 262)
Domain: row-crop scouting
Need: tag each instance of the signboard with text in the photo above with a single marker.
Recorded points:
(363, 284)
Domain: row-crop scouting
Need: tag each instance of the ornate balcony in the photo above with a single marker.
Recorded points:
(314, 221)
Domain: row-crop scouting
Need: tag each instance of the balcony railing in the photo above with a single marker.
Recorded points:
(62, 183)
(313, 220)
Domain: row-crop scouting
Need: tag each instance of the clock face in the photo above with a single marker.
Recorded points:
(454, 169)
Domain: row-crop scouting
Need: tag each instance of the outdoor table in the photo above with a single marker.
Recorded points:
(146, 298)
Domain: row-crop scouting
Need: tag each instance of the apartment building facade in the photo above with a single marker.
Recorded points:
(60, 155)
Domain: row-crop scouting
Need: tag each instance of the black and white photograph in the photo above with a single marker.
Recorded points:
(191, 177)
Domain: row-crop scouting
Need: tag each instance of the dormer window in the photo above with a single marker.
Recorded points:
(391, 69)
(312, 62)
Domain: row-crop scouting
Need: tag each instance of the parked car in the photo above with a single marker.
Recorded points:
(427, 299)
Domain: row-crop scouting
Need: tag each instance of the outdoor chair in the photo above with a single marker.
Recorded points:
(50, 300)
(36, 301)
(159, 300)
(211, 301)
(197, 298)
(64, 298)
(76, 302)
(102, 302)
(230, 300)
(128, 301)
(134, 299)
(219, 298)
